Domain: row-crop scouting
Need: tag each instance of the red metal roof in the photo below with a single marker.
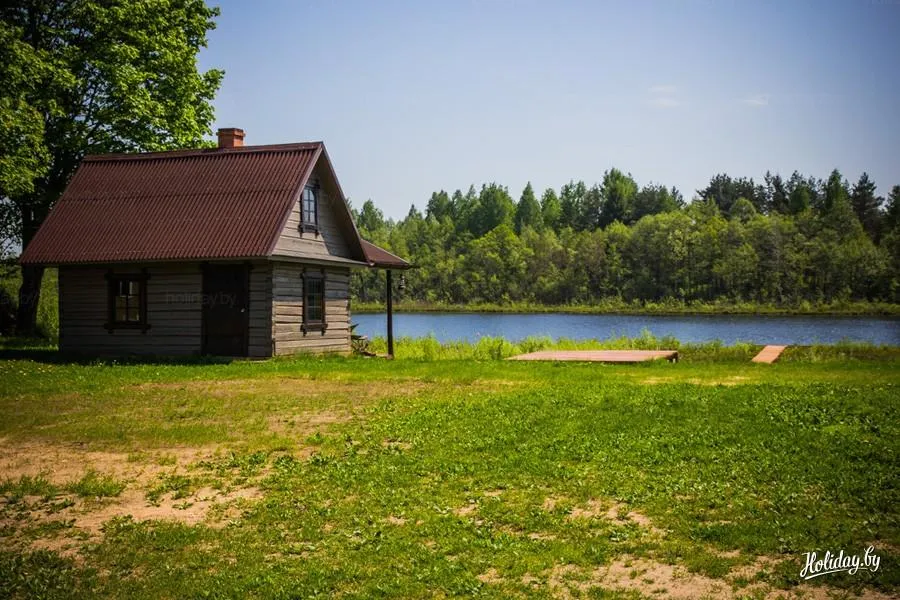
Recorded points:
(192, 204)
(381, 258)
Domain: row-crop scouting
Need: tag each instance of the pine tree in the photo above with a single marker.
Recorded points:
(867, 206)
(835, 192)
(528, 211)
(777, 200)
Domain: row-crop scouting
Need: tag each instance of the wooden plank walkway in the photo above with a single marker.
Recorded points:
(769, 354)
(606, 356)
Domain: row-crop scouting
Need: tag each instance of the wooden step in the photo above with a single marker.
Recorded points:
(769, 354)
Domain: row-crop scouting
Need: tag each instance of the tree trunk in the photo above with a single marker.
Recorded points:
(29, 295)
(30, 290)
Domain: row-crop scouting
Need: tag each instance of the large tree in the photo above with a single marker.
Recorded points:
(495, 207)
(618, 192)
(88, 76)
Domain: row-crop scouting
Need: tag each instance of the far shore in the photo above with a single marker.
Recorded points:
(836, 309)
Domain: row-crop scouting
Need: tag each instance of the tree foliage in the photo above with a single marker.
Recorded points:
(867, 205)
(89, 76)
(528, 211)
(654, 199)
(781, 243)
(618, 192)
(551, 209)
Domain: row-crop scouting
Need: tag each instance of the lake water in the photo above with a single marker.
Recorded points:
(687, 328)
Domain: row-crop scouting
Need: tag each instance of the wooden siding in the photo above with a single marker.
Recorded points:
(174, 302)
(287, 310)
(260, 335)
(330, 239)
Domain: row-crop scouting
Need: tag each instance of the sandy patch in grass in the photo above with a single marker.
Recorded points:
(551, 502)
(463, 511)
(655, 579)
(643, 576)
(303, 424)
(61, 463)
(490, 577)
(189, 510)
(83, 520)
(884, 546)
(64, 546)
(65, 521)
(593, 509)
(613, 511)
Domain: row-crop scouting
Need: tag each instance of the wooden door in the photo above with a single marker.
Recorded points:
(226, 309)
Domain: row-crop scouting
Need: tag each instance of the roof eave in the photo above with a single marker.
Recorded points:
(89, 262)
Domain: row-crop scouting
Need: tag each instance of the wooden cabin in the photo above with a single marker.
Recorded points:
(229, 251)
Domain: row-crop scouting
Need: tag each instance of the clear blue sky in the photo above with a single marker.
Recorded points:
(412, 97)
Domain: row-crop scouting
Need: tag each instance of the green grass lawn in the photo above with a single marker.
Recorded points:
(419, 478)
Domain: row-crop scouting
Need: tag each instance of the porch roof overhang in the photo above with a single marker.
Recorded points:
(379, 258)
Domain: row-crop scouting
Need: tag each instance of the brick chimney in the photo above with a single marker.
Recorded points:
(231, 137)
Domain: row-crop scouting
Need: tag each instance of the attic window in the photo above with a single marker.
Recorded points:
(309, 209)
(127, 302)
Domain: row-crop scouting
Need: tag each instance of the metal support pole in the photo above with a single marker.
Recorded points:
(390, 315)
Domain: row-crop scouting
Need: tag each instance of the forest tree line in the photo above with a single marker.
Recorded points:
(781, 241)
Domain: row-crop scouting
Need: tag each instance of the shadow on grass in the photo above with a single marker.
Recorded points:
(46, 351)
(429, 349)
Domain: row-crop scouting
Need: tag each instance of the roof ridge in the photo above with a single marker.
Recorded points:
(203, 152)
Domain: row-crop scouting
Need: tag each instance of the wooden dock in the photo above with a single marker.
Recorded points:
(604, 356)
(769, 354)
